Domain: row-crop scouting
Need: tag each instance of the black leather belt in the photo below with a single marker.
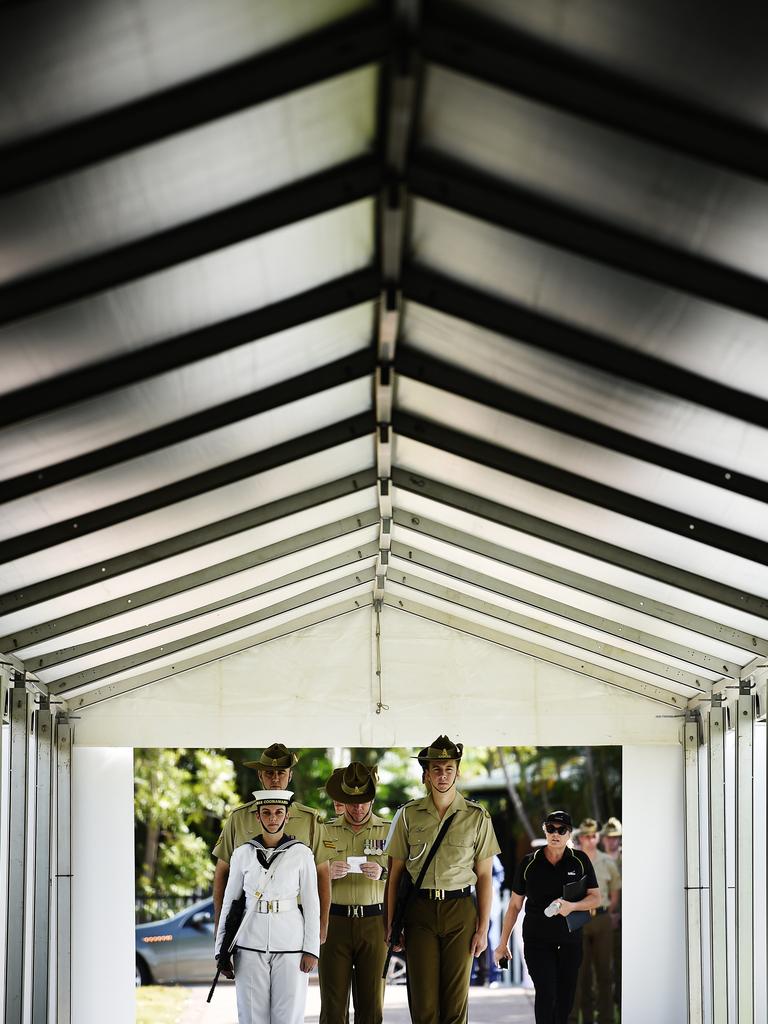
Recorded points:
(357, 910)
(445, 894)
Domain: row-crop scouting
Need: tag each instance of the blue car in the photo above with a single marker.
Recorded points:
(177, 950)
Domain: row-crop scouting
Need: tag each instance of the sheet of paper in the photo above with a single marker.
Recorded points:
(354, 865)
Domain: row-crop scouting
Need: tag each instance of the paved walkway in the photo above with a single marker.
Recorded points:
(486, 1006)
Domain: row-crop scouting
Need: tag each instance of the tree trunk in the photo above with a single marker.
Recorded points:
(151, 848)
(514, 796)
(593, 784)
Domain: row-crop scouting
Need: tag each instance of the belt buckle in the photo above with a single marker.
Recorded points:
(439, 894)
(273, 906)
(262, 907)
(357, 910)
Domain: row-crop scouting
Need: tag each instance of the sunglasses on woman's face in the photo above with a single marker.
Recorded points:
(562, 830)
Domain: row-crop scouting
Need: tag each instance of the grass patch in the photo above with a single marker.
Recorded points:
(156, 1004)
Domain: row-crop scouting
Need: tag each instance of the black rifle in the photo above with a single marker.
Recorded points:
(224, 959)
(406, 890)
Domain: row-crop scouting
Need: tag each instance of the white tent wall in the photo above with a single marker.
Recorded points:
(102, 886)
(319, 686)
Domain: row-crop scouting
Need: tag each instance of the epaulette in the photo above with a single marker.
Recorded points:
(242, 807)
(309, 810)
(477, 807)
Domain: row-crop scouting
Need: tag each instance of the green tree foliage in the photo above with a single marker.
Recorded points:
(180, 798)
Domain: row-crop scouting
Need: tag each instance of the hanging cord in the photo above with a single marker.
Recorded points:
(379, 705)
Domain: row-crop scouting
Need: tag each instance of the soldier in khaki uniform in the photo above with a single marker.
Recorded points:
(444, 927)
(274, 769)
(354, 953)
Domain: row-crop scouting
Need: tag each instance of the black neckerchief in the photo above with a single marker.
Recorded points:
(261, 850)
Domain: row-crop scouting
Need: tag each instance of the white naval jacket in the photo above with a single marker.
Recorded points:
(288, 931)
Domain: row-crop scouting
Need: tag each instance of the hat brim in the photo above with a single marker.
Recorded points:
(333, 788)
(260, 766)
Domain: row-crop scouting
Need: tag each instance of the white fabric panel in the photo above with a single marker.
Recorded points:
(190, 629)
(621, 179)
(102, 886)
(576, 599)
(234, 280)
(677, 47)
(189, 561)
(181, 461)
(83, 58)
(584, 564)
(434, 680)
(652, 797)
(716, 342)
(416, 573)
(529, 636)
(188, 175)
(623, 472)
(197, 597)
(641, 411)
(579, 515)
(312, 471)
(65, 433)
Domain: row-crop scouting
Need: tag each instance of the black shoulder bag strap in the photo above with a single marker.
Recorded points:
(438, 839)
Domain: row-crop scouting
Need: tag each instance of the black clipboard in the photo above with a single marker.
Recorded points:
(573, 892)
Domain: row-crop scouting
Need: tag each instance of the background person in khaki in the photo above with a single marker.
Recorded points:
(596, 971)
(610, 838)
(274, 769)
(444, 928)
(354, 952)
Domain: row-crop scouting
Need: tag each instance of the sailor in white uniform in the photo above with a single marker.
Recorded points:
(277, 944)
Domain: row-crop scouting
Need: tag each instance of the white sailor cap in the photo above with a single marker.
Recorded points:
(284, 797)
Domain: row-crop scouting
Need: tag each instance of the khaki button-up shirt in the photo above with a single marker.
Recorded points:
(338, 840)
(470, 838)
(243, 824)
(607, 875)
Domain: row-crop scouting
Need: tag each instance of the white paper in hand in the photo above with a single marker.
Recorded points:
(354, 865)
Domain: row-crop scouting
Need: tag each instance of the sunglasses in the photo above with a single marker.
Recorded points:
(562, 830)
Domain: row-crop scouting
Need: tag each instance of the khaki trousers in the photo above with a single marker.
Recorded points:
(354, 951)
(597, 964)
(438, 936)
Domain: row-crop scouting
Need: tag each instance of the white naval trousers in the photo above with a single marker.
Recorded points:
(270, 988)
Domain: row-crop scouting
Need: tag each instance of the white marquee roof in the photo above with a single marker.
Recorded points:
(445, 322)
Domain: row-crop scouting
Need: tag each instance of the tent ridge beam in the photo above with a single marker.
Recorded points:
(458, 381)
(351, 44)
(291, 504)
(323, 378)
(514, 61)
(282, 454)
(632, 561)
(519, 323)
(580, 487)
(194, 346)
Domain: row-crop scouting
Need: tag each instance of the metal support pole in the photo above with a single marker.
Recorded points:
(15, 918)
(718, 910)
(691, 746)
(63, 871)
(745, 811)
(42, 912)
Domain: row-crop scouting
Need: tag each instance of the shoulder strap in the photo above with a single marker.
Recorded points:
(438, 839)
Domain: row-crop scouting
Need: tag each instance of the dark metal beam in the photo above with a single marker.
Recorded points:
(515, 61)
(144, 363)
(351, 44)
(539, 331)
(592, 547)
(517, 209)
(190, 487)
(189, 540)
(458, 381)
(582, 488)
(353, 367)
(107, 669)
(318, 194)
(62, 625)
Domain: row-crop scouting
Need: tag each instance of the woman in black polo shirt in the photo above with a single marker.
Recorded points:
(552, 952)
